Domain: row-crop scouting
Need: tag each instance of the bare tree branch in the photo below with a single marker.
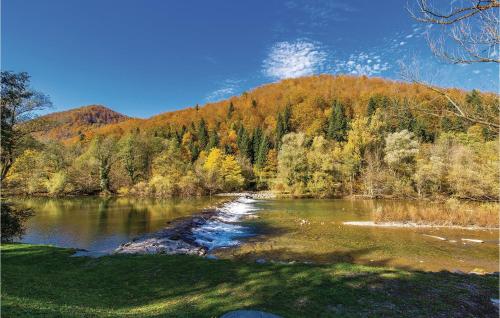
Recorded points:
(471, 33)
(410, 73)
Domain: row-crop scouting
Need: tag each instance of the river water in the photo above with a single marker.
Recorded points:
(280, 230)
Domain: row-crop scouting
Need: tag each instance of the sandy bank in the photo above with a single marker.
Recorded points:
(415, 225)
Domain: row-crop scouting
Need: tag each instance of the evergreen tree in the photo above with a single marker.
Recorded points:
(287, 114)
(228, 149)
(230, 110)
(213, 140)
(405, 118)
(194, 150)
(372, 106)
(245, 144)
(256, 140)
(202, 134)
(420, 130)
(261, 154)
(337, 123)
(280, 131)
(474, 99)
(254, 103)
(239, 133)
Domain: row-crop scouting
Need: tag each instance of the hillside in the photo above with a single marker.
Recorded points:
(310, 100)
(321, 136)
(75, 122)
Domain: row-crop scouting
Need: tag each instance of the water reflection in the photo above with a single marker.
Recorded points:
(101, 224)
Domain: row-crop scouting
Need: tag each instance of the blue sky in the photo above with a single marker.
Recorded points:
(146, 57)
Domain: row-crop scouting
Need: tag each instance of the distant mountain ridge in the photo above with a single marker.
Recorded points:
(73, 122)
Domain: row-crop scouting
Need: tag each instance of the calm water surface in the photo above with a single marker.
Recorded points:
(300, 229)
(98, 224)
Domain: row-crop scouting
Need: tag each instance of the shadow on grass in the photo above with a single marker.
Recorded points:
(42, 280)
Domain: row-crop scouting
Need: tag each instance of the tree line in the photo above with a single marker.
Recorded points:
(385, 151)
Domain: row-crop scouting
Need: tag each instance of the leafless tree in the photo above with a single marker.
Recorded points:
(470, 35)
(410, 72)
(470, 29)
(18, 104)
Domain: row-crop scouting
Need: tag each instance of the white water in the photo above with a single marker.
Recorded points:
(223, 230)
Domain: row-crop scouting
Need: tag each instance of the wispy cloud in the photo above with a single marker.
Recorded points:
(361, 64)
(294, 59)
(227, 88)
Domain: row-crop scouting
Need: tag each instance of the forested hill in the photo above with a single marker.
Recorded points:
(76, 122)
(319, 136)
(309, 102)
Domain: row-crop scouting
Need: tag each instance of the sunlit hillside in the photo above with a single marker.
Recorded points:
(310, 100)
(75, 122)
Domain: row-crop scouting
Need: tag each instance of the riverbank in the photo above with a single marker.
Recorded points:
(47, 281)
(416, 225)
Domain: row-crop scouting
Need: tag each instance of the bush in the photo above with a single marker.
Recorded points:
(56, 184)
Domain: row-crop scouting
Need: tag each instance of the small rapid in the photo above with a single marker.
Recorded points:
(223, 229)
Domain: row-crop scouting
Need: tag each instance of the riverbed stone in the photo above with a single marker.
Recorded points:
(249, 314)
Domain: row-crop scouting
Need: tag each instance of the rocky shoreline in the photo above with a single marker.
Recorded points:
(181, 236)
(176, 238)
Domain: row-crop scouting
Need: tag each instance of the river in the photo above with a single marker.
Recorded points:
(283, 230)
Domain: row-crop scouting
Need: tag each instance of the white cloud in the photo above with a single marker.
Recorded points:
(228, 88)
(294, 59)
(361, 64)
(476, 71)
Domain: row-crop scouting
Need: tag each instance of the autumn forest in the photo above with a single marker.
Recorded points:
(319, 136)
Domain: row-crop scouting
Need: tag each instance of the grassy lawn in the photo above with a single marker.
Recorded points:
(45, 281)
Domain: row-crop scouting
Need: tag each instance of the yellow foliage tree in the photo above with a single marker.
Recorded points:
(231, 173)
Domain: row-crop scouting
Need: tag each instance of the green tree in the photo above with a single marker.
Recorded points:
(372, 106)
(202, 134)
(337, 123)
(244, 143)
(213, 140)
(287, 115)
(474, 99)
(292, 163)
(132, 156)
(262, 152)
(256, 141)
(230, 110)
(103, 150)
(280, 131)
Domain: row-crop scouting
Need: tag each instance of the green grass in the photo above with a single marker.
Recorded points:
(45, 281)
